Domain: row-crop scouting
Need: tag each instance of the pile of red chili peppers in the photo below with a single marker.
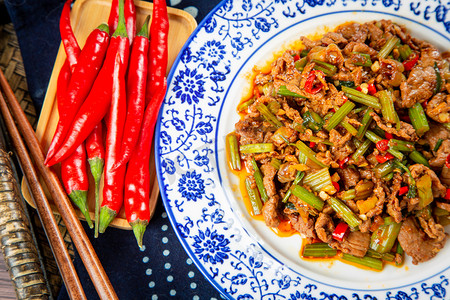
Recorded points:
(115, 82)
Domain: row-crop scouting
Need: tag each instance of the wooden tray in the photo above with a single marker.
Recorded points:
(86, 15)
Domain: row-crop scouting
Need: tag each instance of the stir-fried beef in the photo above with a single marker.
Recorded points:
(337, 131)
(356, 243)
(439, 108)
(416, 243)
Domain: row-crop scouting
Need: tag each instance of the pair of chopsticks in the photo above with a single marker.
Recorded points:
(62, 202)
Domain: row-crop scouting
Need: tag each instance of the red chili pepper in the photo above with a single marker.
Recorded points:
(405, 118)
(96, 157)
(136, 87)
(137, 179)
(83, 77)
(309, 84)
(159, 32)
(343, 163)
(113, 18)
(403, 190)
(372, 89)
(388, 135)
(424, 104)
(75, 180)
(130, 19)
(336, 186)
(447, 195)
(114, 179)
(382, 145)
(296, 57)
(411, 61)
(67, 36)
(341, 231)
(358, 88)
(384, 158)
(447, 161)
(311, 144)
(97, 103)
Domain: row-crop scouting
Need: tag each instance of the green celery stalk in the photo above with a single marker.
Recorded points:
(384, 237)
(297, 179)
(255, 199)
(232, 146)
(326, 68)
(268, 115)
(388, 47)
(367, 61)
(283, 91)
(319, 180)
(417, 157)
(256, 148)
(259, 181)
(318, 250)
(353, 131)
(418, 119)
(341, 113)
(362, 98)
(361, 150)
(383, 169)
(344, 212)
(424, 191)
(365, 261)
(387, 106)
(365, 123)
(375, 138)
(307, 197)
(400, 145)
(311, 155)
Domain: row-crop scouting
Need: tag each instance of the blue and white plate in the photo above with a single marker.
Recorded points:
(240, 256)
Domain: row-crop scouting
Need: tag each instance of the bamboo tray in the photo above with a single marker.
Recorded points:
(86, 15)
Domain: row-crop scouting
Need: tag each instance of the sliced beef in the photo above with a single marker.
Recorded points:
(436, 132)
(349, 176)
(439, 108)
(271, 213)
(441, 155)
(375, 33)
(269, 173)
(432, 229)
(250, 131)
(418, 170)
(406, 131)
(393, 206)
(354, 32)
(418, 87)
(324, 228)
(305, 227)
(333, 38)
(356, 243)
(416, 243)
(286, 173)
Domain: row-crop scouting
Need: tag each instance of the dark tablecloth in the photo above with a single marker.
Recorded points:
(161, 269)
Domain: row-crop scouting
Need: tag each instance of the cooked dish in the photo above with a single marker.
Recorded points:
(348, 140)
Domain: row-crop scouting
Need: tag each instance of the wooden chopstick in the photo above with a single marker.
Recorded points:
(81, 241)
(56, 241)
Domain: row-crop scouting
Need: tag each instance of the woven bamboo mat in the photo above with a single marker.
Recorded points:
(12, 65)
